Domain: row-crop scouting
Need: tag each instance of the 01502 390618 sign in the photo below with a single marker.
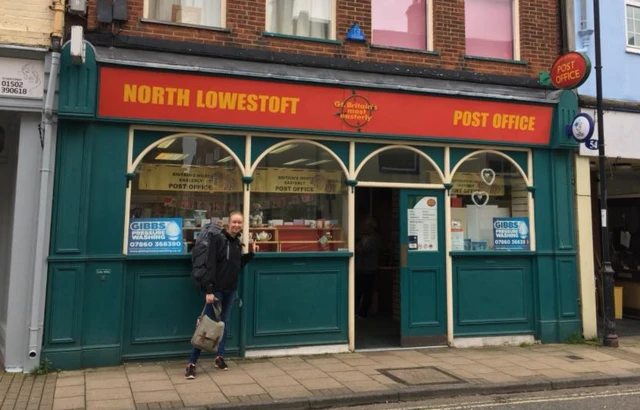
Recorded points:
(13, 87)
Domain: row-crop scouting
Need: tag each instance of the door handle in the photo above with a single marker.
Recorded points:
(403, 255)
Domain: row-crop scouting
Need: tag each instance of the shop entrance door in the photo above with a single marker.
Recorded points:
(422, 268)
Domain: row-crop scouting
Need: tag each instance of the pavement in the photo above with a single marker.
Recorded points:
(305, 382)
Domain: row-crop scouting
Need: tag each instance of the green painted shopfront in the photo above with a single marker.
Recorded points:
(469, 186)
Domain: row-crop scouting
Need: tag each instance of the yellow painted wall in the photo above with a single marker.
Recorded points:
(25, 22)
(585, 246)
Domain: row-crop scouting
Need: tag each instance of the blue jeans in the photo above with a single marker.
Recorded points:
(226, 298)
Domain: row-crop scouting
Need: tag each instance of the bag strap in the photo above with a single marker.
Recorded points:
(217, 310)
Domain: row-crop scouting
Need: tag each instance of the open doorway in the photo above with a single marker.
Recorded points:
(377, 269)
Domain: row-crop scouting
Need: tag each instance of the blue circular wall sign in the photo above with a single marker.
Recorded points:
(582, 127)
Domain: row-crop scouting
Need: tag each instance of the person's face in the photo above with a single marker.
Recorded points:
(235, 224)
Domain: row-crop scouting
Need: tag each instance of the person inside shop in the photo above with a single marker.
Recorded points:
(367, 252)
(224, 265)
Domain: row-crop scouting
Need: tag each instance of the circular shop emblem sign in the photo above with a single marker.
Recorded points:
(355, 111)
(570, 70)
(582, 127)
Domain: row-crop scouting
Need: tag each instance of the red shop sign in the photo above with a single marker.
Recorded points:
(201, 99)
(570, 70)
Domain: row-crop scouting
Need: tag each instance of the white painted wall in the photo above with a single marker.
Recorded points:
(8, 159)
(621, 134)
(23, 240)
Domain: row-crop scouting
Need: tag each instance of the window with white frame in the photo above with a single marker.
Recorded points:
(302, 18)
(633, 24)
(208, 13)
(491, 28)
(401, 23)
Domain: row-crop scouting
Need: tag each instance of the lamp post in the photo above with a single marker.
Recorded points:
(610, 338)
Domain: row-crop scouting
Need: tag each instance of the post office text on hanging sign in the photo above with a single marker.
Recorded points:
(570, 70)
(200, 99)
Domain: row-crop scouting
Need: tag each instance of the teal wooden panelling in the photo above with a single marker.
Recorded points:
(544, 182)
(427, 311)
(316, 313)
(144, 138)
(564, 200)
(364, 149)
(297, 317)
(456, 155)
(478, 291)
(69, 208)
(493, 295)
(64, 302)
(162, 304)
(568, 287)
(262, 144)
(102, 306)
(78, 85)
(563, 115)
(106, 189)
(519, 157)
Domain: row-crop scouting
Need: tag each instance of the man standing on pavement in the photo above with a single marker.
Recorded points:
(224, 264)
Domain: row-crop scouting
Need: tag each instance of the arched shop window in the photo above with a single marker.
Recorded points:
(299, 200)
(399, 165)
(489, 205)
(180, 185)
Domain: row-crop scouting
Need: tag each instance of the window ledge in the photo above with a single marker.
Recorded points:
(496, 60)
(406, 50)
(633, 50)
(484, 254)
(302, 255)
(291, 37)
(170, 23)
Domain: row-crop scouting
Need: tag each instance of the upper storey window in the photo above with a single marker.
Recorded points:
(633, 25)
(491, 28)
(208, 13)
(302, 18)
(401, 23)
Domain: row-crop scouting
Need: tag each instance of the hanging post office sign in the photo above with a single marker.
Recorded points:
(570, 70)
(20, 78)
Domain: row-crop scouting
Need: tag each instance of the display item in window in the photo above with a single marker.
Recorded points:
(257, 216)
(224, 264)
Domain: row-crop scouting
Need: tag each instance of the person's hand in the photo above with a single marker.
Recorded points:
(210, 298)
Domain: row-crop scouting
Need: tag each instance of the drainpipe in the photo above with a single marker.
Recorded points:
(42, 236)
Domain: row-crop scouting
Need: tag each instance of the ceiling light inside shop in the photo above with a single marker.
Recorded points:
(322, 161)
(296, 161)
(283, 148)
(168, 156)
(166, 144)
(226, 159)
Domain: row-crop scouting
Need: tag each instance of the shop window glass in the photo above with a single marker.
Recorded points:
(489, 28)
(399, 165)
(179, 186)
(399, 23)
(194, 12)
(299, 201)
(489, 205)
(303, 18)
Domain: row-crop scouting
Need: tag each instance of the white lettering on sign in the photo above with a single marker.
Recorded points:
(21, 78)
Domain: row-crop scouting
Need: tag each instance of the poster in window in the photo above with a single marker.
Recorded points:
(423, 225)
(511, 233)
(155, 235)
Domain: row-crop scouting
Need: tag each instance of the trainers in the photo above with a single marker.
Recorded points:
(221, 364)
(190, 371)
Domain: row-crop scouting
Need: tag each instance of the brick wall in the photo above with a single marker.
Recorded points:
(25, 22)
(539, 35)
